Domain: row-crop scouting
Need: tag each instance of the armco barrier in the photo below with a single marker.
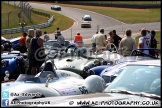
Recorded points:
(18, 30)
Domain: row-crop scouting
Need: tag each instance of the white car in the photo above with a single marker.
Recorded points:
(87, 18)
(85, 24)
(51, 83)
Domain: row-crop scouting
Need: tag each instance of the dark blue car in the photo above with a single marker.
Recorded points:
(15, 43)
(14, 63)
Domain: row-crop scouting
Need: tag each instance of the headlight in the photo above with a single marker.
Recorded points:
(3, 63)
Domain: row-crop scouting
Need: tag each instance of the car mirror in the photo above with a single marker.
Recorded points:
(49, 78)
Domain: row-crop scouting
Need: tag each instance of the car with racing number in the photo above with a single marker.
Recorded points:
(51, 82)
(139, 84)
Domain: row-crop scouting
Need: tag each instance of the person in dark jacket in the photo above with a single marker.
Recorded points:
(116, 39)
(153, 44)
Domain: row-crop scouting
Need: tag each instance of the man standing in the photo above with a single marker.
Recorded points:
(37, 50)
(144, 40)
(116, 39)
(153, 43)
(22, 42)
(28, 39)
(127, 43)
(100, 40)
(60, 39)
(78, 39)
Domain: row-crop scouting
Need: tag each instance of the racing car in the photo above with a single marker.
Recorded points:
(15, 44)
(109, 73)
(138, 85)
(75, 60)
(50, 83)
(14, 62)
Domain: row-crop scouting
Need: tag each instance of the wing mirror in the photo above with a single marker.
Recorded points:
(49, 78)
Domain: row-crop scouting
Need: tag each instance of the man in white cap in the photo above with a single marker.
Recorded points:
(78, 40)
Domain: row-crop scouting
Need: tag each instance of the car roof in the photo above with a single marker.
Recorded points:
(87, 16)
(156, 62)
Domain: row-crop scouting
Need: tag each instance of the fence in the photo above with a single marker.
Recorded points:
(25, 29)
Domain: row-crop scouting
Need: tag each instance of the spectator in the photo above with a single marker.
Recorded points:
(100, 40)
(60, 39)
(153, 44)
(116, 39)
(56, 32)
(28, 39)
(127, 43)
(22, 42)
(78, 39)
(37, 50)
(46, 37)
(144, 40)
(93, 42)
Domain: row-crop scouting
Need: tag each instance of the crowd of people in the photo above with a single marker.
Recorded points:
(32, 44)
(127, 43)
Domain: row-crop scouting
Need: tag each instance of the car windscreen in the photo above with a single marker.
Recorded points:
(138, 78)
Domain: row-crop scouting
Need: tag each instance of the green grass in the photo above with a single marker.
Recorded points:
(60, 21)
(121, 2)
(125, 15)
(157, 37)
(14, 20)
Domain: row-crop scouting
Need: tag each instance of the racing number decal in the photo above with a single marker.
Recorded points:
(83, 90)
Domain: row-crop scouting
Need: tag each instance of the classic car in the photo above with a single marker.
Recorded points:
(49, 83)
(138, 85)
(56, 7)
(13, 62)
(75, 60)
(85, 24)
(87, 18)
